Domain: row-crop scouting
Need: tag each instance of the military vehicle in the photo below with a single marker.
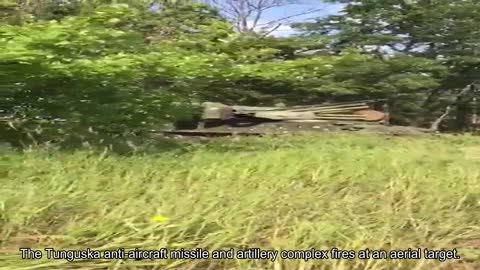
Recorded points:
(219, 119)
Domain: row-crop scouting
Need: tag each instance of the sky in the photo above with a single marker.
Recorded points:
(293, 9)
(324, 9)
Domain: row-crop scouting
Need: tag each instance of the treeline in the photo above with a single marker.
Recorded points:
(77, 69)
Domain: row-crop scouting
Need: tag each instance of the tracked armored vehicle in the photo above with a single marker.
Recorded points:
(219, 119)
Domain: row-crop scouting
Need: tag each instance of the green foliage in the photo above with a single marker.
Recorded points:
(354, 73)
(428, 28)
(442, 30)
(89, 70)
(119, 67)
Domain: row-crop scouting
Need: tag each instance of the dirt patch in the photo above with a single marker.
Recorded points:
(471, 243)
(275, 128)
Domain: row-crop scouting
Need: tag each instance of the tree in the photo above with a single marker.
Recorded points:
(96, 71)
(442, 30)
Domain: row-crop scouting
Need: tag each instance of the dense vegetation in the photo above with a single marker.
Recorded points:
(349, 192)
(103, 73)
(118, 67)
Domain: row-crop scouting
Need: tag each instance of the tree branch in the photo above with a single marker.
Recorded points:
(292, 16)
(271, 30)
(435, 125)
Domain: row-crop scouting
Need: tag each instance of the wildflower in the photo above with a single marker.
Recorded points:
(159, 218)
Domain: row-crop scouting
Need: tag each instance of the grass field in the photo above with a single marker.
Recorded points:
(347, 192)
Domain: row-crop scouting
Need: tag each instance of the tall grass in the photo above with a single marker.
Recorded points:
(273, 193)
